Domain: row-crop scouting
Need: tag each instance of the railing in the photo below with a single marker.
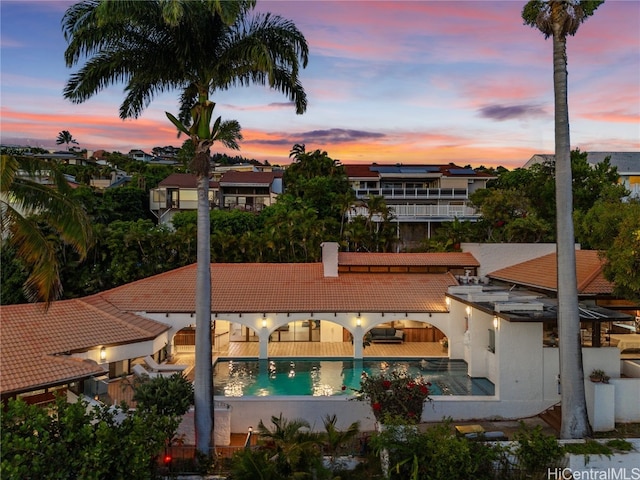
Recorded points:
(414, 193)
(416, 212)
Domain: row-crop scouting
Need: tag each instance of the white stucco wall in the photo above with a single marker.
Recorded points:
(521, 358)
(125, 352)
(248, 411)
(626, 389)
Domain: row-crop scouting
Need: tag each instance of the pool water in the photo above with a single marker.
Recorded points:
(326, 377)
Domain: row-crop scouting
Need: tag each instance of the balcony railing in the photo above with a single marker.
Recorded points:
(417, 212)
(414, 193)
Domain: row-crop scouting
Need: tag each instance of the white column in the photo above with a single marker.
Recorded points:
(263, 336)
(358, 335)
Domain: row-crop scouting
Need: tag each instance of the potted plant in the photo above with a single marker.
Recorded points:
(394, 397)
(598, 376)
(444, 341)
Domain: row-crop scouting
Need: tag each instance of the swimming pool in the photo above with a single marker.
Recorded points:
(326, 377)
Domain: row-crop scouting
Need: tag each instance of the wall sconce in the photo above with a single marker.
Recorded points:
(447, 300)
(495, 322)
(264, 322)
(468, 310)
(103, 354)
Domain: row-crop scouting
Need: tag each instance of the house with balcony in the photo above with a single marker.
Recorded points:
(178, 193)
(250, 191)
(420, 197)
(244, 190)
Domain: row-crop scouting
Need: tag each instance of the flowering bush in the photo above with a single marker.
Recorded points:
(394, 396)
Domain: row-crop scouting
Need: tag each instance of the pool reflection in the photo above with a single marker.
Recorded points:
(237, 378)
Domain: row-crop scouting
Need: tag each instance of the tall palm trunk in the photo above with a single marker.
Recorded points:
(203, 398)
(575, 423)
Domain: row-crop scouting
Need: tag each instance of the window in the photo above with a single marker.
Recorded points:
(492, 340)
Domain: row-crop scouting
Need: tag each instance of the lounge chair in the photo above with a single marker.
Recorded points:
(156, 367)
(142, 372)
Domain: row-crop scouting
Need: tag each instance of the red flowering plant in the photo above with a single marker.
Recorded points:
(394, 396)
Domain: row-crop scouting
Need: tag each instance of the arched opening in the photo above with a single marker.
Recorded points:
(307, 330)
(311, 337)
(407, 337)
(226, 338)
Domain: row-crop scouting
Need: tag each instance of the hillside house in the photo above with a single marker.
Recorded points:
(421, 197)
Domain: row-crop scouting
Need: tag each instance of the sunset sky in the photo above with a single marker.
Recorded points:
(409, 82)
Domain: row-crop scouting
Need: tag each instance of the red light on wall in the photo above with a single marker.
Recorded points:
(167, 458)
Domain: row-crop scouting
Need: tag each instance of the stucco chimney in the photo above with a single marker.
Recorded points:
(330, 258)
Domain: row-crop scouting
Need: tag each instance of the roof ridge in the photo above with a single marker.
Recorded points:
(593, 275)
(88, 302)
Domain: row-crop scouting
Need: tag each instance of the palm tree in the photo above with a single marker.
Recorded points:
(334, 439)
(29, 210)
(295, 448)
(557, 19)
(65, 137)
(198, 48)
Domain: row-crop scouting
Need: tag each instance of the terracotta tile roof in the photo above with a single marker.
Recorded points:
(34, 341)
(360, 170)
(253, 178)
(454, 259)
(542, 273)
(290, 287)
(181, 180)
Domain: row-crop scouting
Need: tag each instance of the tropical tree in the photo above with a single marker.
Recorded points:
(31, 211)
(197, 48)
(65, 137)
(71, 440)
(623, 255)
(558, 19)
(335, 439)
(317, 179)
(294, 448)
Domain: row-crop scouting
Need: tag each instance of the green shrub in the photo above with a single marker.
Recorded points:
(536, 451)
(436, 453)
(620, 444)
(589, 447)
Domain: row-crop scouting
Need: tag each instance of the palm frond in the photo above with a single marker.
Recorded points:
(29, 207)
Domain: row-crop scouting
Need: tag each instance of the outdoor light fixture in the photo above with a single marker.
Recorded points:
(264, 322)
(468, 310)
(447, 300)
(103, 354)
(495, 321)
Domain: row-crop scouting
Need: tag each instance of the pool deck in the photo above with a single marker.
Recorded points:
(333, 349)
